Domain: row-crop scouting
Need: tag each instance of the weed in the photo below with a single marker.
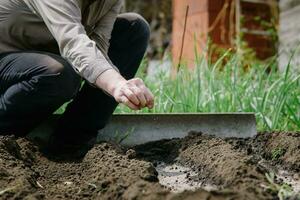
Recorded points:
(284, 191)
(120, 137)
(277, 153)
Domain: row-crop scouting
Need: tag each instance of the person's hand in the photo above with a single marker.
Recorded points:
(133, 93)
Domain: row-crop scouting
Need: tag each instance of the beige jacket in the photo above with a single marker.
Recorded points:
(80, 31)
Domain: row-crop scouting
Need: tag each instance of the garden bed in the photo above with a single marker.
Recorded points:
(206, 166)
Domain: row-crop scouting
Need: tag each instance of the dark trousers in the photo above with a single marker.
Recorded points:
(34, 84)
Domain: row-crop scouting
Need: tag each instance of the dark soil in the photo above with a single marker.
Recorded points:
(110, 172)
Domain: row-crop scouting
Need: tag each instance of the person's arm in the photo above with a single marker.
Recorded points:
(63, 19)
(132, 93)
(103, 28)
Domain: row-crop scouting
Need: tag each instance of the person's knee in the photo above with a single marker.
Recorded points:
(60, 76)
(138, 25)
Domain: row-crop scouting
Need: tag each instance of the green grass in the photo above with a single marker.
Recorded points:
(226, 86)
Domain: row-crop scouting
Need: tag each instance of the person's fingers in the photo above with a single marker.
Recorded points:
(150, 99)
(138, 82)
(140, 95)
(124, 100)
(137, 95)
(131, 96)
(147, 93)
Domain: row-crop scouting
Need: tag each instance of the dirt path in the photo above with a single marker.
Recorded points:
(234, 166)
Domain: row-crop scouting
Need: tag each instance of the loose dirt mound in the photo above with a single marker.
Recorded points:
(217, 162)
(105, 172)
(109, 172)
(280, 148)
(237, 166)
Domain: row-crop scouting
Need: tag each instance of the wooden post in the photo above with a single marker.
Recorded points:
(203, 22)
(215, 20)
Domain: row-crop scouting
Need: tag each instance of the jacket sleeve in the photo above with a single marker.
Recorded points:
(63, 19)
(102, 32)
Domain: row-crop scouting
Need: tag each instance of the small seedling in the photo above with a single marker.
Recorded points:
(284, 191)
(277, 153)
(119, 137)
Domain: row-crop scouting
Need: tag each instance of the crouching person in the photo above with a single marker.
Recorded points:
(49, 47)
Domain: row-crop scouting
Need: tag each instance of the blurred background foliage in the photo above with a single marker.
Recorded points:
(159, 15)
